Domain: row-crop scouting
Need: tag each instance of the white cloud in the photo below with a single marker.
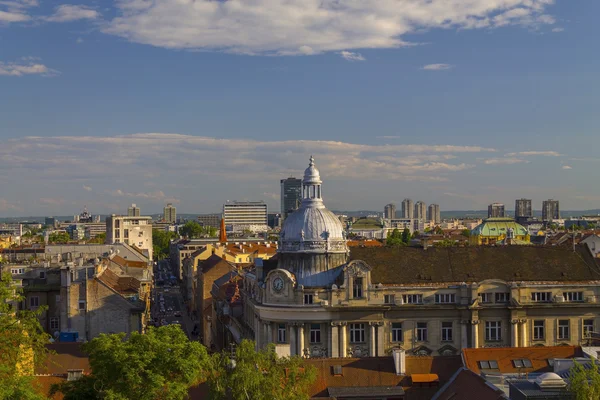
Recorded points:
(567, 167)
(534, 153)
(87, 188)
(286, 27)
(15, 10)
(436, 67)
(556, 30)
(506, 161)
(7, 17)
(79, 40)
(71, 12)
(26, 66)
(350, 56)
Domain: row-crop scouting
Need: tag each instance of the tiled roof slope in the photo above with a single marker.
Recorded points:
(63, 357)
(404, 265)
(121, 284)
(466, 385)
(128, 263)
(504, 356)
(211, 262)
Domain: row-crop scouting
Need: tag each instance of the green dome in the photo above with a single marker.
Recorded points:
(499, 227)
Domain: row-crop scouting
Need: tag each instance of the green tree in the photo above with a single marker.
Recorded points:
(100, 238)
(415, 235)
(161, 364)
(394, 238)
(22, 344)
(584, 383)
(59, 237)
(466, 233)
(160, 243)
(438, 230)
(194, 230)
(406, 235)
(259, 375)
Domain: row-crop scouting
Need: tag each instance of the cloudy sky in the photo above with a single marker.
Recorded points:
(459, 102)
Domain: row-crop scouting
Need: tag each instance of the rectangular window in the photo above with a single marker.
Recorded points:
(444, 298)
(54, 324)
(42, 274)
(538, 330)
(412, 298)
(541, 297)
(308, 299)
(17, 271)
(573, 296)
(126, 233)
(357, 288)
(81, 305)
(488, 364)
(563, 329)
(397, 332)
(118, 234)
(493, 331)
(421, 331)
(502, 297)
(315, 333)
(389, 299)
(588, 327)
(446, 331)
(58, 298)
(486, 297)
(357, 333)
(34, 302)
(522, 363)
(281, 333)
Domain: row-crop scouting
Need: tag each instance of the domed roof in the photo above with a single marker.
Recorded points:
(499, 227)
(312, 228)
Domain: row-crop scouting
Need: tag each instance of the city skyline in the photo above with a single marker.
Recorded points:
(457, 106)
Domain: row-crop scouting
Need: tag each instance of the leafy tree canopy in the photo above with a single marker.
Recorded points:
(59, 237)
(259, 375)
(395, 238)
(194, 230)
(160, 243)
(99, 239)
(584, 383)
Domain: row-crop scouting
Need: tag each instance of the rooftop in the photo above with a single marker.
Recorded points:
(499, 227)
(466, 384)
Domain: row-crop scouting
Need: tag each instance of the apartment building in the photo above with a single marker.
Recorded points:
(134, 231)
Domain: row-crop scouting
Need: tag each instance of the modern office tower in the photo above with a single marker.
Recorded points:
(407, 209)
(170, 213)
(212, 220)
(420, 211)
(550, 210)
(433, 214)
(523, 209)
(133, 211)
(496, 210)
(50, 221)
(246, 215)
(291, 195)
(389, 212)
(132, 230)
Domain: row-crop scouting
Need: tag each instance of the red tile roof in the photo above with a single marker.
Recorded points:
(128, 263)
(125, 285)
(504, 356)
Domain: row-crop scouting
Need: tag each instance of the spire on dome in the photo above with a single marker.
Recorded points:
(311, 161)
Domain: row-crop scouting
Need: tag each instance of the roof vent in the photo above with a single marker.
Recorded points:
(550, 381)
(337, 370)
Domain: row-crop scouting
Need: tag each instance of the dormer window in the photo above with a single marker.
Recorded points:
(357, 288)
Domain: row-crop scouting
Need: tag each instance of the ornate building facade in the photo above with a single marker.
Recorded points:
(315, 298)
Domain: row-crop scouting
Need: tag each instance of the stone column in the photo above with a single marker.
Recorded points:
(343, 345)
(334, 341)
(301, 340)
(475, 334)
(514, 337)
(463, 334)
(380, 339)
(293, 339)
(372, 340)
(523, 332)
(257, 332)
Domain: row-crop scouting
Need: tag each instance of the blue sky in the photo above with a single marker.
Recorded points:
(461, 103)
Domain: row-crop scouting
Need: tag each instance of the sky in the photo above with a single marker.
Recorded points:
(196, 102)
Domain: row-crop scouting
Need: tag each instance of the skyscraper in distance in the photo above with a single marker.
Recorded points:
(389, 212)
(496, 210)
(433, 213)
(133, 211)
(420, 211)
(523, 210)
(291, 189)
(407, 209)
(550, 210)
(170, 213)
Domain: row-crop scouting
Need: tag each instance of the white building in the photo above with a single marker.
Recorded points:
(134, 231)
(242, 215)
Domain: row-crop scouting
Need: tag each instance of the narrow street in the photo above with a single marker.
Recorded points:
(168, 307)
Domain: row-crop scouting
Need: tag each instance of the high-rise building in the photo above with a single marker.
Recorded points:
(550, 210)
(496, 210)
(407, 209)
(212, 220)
(420, 210)
(170, 213)
(433, 213)
(291, 195)
(132, 230)
(133, 211)
(246, 215)
(389, 212)
(523, 209)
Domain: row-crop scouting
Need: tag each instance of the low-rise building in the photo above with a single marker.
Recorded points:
(133, 230)
(499, 231)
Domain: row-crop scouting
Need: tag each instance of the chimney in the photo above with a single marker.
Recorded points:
(258, 263)
(399, 361)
